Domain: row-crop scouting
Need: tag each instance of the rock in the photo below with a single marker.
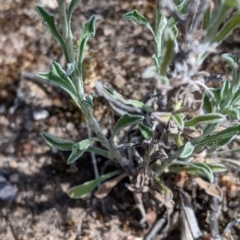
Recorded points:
(14, 178)
(2, 108)
(7, 192)
(40, 114)
(70, 126)
(13, 165)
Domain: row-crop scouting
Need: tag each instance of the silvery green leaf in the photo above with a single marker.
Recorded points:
(88, 101)
(71, 8)
(228, 27)
(115, 95)
(217, 167)
(232, 3)
(79, 148)
(98, 151)
(125, 121)
(149, 72)
(70, 69)
(58, 143)
(207, 105)
(216, 95)
(186, 150)
(236, 97)
(222, 137)
(146, 131)
(236, 162)
(167, 51)
(225, 89)
(206, 19)
(178, 119)
(84, 189)
(58, 76)
(205, 169)
(232, 112)
(193, 168)
(139, 19)
(87, 32)
(231, 60)
(205, 119)
(49, 22)
(219, 13)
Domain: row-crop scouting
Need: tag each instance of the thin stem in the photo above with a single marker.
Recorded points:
(76, 76)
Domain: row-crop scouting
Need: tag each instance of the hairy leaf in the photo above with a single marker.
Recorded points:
(49, 22)
(125, 121)
(146, 132)
(186, 150)
(58, 143)
(120, 98)
(87, 32)
(206, 119)
(139, 19)
(79, 148)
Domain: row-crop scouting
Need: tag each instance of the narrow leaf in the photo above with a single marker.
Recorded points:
(125, 121)
(120, 98)
(231, 60)
(206, 119)
(236, 162)
(84, 189)
(222, 137)
(193, 169)
(71, 8)
(178, 119)
(58, 76)
(187, 150)
(207, 105)
(139, 19)
(225, 90)
(227, 28)
(217, 167)
(167, 51)
(205, 169)
(79, 148)
(49, 22)
(58, 143)
(98, 151)
(87, 32)
(150, 72)
(146, 132)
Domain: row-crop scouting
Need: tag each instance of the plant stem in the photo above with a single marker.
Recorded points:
(77, 80)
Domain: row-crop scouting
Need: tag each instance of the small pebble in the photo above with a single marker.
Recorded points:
(14, 178)
(70, 126)
(40, 114)
(7, 192)
(2, 108)
(13, 165)
(52, 121)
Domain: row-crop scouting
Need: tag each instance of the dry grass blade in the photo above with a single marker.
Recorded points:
(106, 187)
(210, 188)
(189, 225)
(160, 198)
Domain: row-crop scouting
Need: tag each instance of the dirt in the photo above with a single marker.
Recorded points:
(117, 56)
